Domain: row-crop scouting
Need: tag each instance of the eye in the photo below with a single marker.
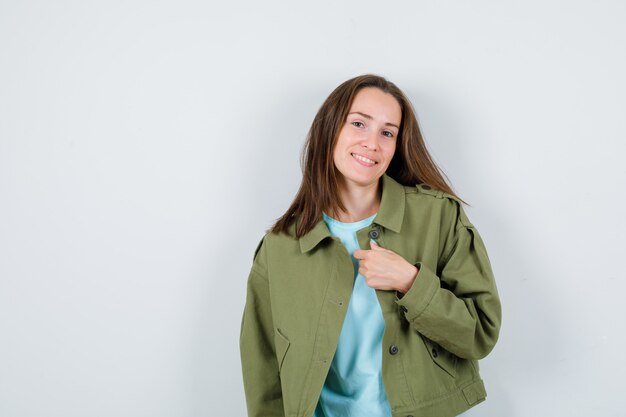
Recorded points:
(390, 134)
(356, 122)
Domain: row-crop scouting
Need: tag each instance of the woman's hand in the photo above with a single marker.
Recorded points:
(384, 269)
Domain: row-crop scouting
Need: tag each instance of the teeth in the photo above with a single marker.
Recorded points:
(362, 158)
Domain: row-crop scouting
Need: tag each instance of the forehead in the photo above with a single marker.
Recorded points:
(378, 104)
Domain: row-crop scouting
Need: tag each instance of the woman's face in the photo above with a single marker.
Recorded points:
(369, 132)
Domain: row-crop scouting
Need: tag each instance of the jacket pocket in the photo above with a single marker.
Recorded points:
(444, 359)
(282, 345)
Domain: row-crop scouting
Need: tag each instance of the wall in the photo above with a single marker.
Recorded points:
(145, 146)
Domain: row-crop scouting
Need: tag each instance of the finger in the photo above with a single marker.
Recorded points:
(375, 246)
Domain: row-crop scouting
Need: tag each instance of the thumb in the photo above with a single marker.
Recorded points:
(374, 245)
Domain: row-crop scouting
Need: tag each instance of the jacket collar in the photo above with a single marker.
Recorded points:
(390, 214)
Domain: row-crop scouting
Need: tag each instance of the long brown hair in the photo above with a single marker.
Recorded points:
(411, 164)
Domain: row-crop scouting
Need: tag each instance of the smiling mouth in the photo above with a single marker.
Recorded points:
(363, 160)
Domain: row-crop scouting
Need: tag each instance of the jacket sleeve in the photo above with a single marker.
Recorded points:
(460, 308)
(256, 344)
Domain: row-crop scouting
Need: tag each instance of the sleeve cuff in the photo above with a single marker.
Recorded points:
(419, 296)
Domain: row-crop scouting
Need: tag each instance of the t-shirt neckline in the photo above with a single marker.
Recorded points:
(348, 225)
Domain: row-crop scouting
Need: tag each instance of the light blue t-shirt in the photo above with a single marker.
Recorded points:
(354, 386)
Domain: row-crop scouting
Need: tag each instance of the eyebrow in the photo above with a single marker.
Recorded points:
(367, 116)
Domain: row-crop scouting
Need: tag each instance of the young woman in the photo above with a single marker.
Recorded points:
(373, 295)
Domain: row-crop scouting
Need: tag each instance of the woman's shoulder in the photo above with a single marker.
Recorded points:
(421, 194)
(424, 196)
(431, 191)
(275, 241)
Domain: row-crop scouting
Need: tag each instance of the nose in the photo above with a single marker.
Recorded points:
(370, 140)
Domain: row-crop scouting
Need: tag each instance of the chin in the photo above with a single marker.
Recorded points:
(363, 180)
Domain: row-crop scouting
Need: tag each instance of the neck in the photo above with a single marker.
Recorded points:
(360, 202)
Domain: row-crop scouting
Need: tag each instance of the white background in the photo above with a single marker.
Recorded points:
(146, 146)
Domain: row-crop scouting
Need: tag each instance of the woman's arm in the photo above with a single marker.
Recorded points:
(459, 309)
(256, 344)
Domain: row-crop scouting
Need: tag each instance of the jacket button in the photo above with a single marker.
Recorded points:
(403, 308)
(435, 353)
(393, 349)
(409, 416)
(373, 234)
(426, 186)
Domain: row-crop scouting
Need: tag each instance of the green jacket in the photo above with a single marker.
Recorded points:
(298, 291)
